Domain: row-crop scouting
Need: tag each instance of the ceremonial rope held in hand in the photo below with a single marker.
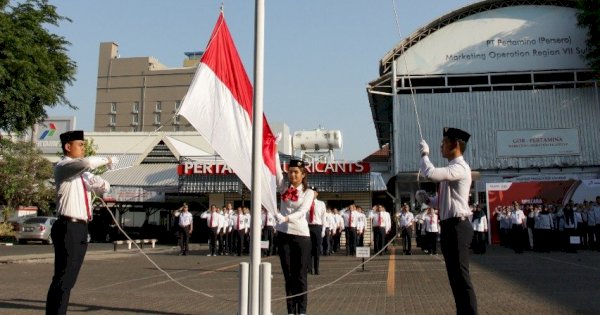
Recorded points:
(152, 261)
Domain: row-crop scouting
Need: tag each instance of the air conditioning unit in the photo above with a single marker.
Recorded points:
(157, 123)
(112, 124)
(158, 110)
(134, 123)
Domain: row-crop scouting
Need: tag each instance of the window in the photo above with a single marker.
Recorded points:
(112, 129)
(133, 129)
(158, 107)
(157, 119)
(177, 106)
(176, 128)
(176, 120)
(136, 107)
(113, 108)
(135, 119)
(112, 120)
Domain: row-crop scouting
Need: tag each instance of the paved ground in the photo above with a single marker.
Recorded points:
(126, 283)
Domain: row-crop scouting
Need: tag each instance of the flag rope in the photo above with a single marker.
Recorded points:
(340, 277)
(412, 90)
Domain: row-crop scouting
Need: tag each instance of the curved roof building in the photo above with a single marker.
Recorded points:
(512, 73)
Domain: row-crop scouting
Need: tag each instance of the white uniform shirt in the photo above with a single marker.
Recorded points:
(591, 217)
(455, 183)
(406, 219)
(238, 221)
(596, 209)
(74, 185)
(430, 222)
(319, 213)
(296, 212)
(185, 219)
(213, 219)
(329, 222)
(267, 219)
(362, 222)
(350, 219)
(543, 221)
(517, 217)
(481, 224)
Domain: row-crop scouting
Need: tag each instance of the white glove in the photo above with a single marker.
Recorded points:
(424, 148)
(113, 162)
(421, 196)
(280, 218)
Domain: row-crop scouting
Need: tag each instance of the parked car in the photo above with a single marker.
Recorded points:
(36, 229)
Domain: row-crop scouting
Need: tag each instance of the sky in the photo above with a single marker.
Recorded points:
(319, 55)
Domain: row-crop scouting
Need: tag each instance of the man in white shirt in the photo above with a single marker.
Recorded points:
(518, 230)
(186, 224)
(74, 184)
(214, 223)
(406, 221)
(315, 218)
(350, 217)
(336, 234)
(329, 227)
(453, 204)
(238, 223)
(380, 225)
(267, 221)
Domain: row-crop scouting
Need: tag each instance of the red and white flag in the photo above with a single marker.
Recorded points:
(219, 105)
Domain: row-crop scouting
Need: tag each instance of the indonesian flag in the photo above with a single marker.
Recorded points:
(219, 105)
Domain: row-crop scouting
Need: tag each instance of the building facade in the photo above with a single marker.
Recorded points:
(519, 84)
(140, 93)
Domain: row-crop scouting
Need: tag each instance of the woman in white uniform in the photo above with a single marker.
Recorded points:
(293, 236)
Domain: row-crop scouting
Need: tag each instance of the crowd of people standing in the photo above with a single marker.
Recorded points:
(545, 227)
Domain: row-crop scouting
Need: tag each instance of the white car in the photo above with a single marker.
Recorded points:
(36, 229)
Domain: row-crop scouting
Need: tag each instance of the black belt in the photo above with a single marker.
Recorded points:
(454, 221)
(71, 219)
(315, 225)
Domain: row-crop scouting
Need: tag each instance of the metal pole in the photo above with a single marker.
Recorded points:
(257, 135)
(265, 288)
(395, 153)
(243, 306)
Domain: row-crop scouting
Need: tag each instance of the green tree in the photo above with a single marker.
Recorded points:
(24, 177)
(588, 16)
(34, 65)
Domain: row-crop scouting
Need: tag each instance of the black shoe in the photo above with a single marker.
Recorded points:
(408, 253)
(316, 273)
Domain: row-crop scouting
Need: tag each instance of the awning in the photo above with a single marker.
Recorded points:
(377, 183)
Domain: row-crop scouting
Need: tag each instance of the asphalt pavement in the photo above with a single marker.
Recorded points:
(125, 282)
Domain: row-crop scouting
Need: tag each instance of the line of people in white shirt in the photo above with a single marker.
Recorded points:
(546, 227)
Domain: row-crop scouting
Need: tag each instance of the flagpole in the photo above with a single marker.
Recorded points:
(257, 137)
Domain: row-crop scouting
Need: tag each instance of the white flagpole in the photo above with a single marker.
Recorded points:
(257, 160)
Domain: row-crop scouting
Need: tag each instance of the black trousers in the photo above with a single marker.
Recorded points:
(431, 238)
(406, 239)
(479, 245)
(229, 242)
(455, 238)
(336, 240)
(267, 235)
(185, 238)
(212, 240)
(327, 245)
(238, 236)
(294, 254)
(315, 246)
(542, 240)
(350, 241)
(517, 236)
(70, 246)
(379, 238)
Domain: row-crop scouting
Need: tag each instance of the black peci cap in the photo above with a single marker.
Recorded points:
(71, 136)
(296, 163)
(455, 133)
